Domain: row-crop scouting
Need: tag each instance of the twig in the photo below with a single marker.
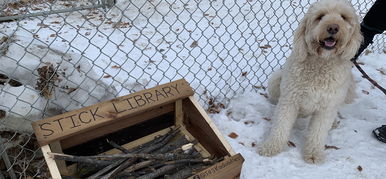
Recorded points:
(364, 75)
(161, 171)
(129, 171)
(83, 159)
(163, 141)
(106, 169)
(205, 161)
(115, 145)
(180, 141)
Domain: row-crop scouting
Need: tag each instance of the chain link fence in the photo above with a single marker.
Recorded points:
(61, 55)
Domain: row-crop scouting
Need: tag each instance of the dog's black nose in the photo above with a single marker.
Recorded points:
(333, 28)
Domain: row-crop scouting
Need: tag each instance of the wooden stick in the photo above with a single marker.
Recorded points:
(161, 171)
(205, 161)
(364, 75)
(153, 142)
(115, 145)
(82, 159)
(180, 141)
(106, 169)
(165, 139)
(129, 171)
(88, 159)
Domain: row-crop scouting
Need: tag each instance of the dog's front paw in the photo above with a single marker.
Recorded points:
(314, 157)
(270, 148)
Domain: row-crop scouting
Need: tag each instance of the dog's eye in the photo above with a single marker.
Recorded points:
(343, 17)
(320, 17)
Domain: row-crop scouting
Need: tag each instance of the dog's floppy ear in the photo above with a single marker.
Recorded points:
(354, 42)
(300, 46)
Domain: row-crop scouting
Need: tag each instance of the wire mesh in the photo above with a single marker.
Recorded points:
(61, 55)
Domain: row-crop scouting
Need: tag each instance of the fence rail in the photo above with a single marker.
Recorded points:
(61, 55)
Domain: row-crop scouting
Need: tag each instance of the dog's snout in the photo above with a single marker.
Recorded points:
(333, 29)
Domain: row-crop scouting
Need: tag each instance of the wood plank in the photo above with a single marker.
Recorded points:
(54, 170)
(71, 123)
(55, 147)
(198, 123)
(228, 168)
(212, 125)
(179, 114)
(87, 135)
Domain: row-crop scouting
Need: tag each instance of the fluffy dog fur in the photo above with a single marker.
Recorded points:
(316, 79)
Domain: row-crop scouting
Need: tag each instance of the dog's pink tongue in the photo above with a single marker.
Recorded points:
(329, 43)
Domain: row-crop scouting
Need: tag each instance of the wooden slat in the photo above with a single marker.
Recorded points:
(179, 114)
(85, 136)
(71, 123)
(55, 147)
(54, 170)
(179, 122)
(228, 168)
(205, 131)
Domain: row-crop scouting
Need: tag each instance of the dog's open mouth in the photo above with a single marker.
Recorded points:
(328, 43)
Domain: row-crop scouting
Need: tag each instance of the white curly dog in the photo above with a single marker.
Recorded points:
(316, 79)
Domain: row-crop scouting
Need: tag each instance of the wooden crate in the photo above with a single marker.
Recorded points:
(164, 106)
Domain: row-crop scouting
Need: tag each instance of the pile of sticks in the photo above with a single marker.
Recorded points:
(169, 156)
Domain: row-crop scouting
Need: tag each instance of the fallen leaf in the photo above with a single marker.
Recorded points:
(368, 52)
(107, 76)
(331, 147)
(78, 68)
(52, 35)
(264, 94)
(359, 168)
(70, 90)
(2, 113)
(365, 92)
(249, 122)
(266, 46)
(194, 44)
(259, 87)
(233, 135)
(291, 144)
(115, 66)
(42, 25)
(267, 119)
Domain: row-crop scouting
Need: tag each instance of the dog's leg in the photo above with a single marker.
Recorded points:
(318, 128)
(284, 119)
(274, 87)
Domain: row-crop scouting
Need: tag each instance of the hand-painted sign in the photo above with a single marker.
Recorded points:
(70, 123)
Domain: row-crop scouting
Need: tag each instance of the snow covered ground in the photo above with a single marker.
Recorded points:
(354, 152)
